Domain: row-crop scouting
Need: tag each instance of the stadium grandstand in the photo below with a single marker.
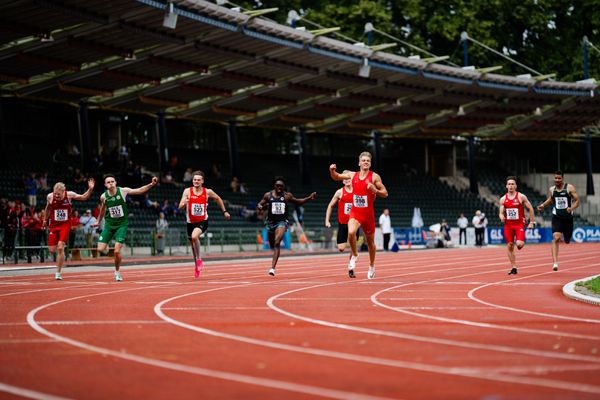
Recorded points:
(153, 88)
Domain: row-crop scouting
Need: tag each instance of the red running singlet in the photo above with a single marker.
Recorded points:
(344, 207)
(197, 207)
(514, 224)
(363, 202)
(60, 211)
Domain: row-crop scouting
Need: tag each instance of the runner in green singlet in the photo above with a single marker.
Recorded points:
(114, 211)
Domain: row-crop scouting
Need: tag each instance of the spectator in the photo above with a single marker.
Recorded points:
(97, 210)
(149, 204)
(216, 171)
(478, 222)
(74, 226)
(78, 177)
(234, 184)
(162, 225)
(445, 231)
(32, 223)
(187, 177)
(11, 226)
(168, 209)
(462, 223)
(86, 222)
(43, 182)
(243, 188)
(385, 223)
(31, 189)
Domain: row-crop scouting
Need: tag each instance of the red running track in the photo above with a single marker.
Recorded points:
(433, 324)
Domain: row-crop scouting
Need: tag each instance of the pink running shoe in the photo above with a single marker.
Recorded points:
(199, 265)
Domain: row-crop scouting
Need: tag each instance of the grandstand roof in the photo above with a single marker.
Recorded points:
(219, 64)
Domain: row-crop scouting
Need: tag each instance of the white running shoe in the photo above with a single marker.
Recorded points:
(57, 276)
(371, 273)
(352, 262)
(555, 267)
(272, 272)
(118, 277)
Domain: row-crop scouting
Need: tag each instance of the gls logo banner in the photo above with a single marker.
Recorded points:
(591, 234)
(496, 235)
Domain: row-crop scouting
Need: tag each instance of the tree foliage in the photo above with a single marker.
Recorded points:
(545, 35)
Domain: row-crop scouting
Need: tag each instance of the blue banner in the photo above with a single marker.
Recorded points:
(586, 234)
(405, 236)
(535, 235)
(286, 243)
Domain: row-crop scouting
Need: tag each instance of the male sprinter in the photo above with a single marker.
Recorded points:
(512, 214)
(114, 211)
(565, 199)
(366, 185)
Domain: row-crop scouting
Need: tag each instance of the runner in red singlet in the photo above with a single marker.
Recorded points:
(343, 198)
(366, 185)
(57, 216)
(512, 214)
(195, 201)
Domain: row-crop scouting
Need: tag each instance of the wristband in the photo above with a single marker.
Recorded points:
(224, 211)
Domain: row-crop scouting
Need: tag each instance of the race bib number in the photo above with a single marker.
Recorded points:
(347, 208)
(116, 211)
(277, 208)
(198, 210)
(61, 215)
(361, 201)
(512, 214)
(561, 203)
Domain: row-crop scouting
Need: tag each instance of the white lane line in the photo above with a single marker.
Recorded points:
(375, 299)
(189, 369)
(28, 393)
(212, 308)
(472, 296)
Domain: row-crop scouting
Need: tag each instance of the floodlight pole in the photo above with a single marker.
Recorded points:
(234, 156)
(585, 58)
(304, 163)
(464, 37)
(163, 150)
(588, 164)
(377, 152)
(473, 187)
(85, 138)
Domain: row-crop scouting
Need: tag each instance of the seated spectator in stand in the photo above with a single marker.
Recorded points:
(31, 189)
(168, 209)
(216, 171)
(43, 182)
(234, 184)
(149, 204)
(78, 176)
(243, 188)
(97, 210)
(32, 222)
(187, 177)
(167, 179)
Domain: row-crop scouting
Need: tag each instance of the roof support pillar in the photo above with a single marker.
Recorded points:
(304, 162)
(588, 164)
(85, 137)
(585, 58)
(465, 42)
(163, 149)
(234, 155)
(473, 184)
(3, 154)
(377, 152)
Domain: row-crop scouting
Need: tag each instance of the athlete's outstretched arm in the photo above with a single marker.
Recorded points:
(334, 200)
(501, 210)
(86, 195)
(292, 199)
(337, 176)
(101, 213)
(377, 187)
(575, 196)
(263, 202)
(527, 204)
(546, 202)
(140, 190)
(184, 198)
(211, 193)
